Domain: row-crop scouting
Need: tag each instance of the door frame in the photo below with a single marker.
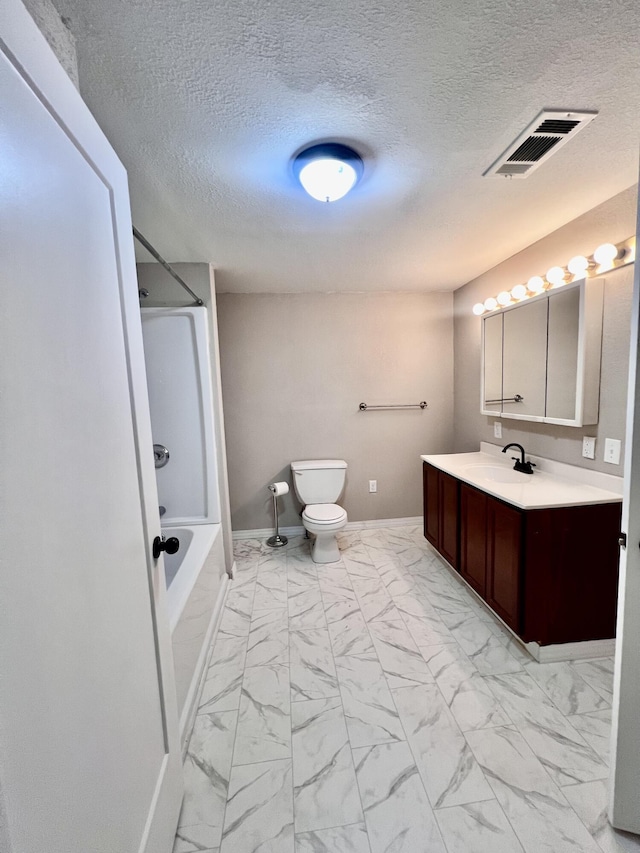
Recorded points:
(28, 52)
(624, 805)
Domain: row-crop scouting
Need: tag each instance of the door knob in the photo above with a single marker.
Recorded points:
(161, 544)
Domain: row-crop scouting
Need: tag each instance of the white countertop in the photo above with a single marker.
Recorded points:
(553, 484)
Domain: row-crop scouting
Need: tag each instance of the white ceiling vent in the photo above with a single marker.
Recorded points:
(546, 134)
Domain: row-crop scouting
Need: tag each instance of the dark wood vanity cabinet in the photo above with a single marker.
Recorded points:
(550, 574)
(441, 512)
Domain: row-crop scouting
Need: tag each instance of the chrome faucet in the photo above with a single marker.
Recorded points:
(521, 464)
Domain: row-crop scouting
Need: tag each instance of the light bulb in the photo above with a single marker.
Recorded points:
(327, 179)
(504, 298)
(490, 304)
(536, 284)
(478, 309)
(606, 254)
(578, 266)
(555, 276)
(519, 291)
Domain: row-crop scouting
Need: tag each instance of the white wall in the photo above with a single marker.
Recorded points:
(294, 369)
(612, 221)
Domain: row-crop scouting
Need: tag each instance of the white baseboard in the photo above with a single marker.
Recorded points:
(351, 525)
(572, 651)
(385, 522)
(265, 532)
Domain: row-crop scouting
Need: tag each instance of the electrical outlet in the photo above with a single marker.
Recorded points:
(373, 486)
(588, 447)
(612, 450)
(497, 429)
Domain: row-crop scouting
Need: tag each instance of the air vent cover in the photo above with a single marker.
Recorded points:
(546, 134)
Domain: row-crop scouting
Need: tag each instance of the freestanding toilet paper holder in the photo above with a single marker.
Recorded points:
(277, 541)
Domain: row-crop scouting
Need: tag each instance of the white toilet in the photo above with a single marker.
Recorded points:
(319, 484)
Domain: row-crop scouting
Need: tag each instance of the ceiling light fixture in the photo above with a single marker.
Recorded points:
(608, 256)
(328, 171)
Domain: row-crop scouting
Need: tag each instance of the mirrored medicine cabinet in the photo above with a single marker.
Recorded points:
(541, 357)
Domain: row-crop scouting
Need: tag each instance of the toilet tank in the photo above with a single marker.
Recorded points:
(319, 481)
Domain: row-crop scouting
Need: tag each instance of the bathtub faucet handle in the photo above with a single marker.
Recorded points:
(161, 544)
(160, 455)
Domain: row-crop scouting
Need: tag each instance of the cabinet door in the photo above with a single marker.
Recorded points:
(525, 360)
(473, 537)
(504, 558)
(492, 365)
(448, 505)
(431, 504)
(562, 355)
(91, 757)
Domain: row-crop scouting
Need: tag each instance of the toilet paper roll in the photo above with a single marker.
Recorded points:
(279, 489)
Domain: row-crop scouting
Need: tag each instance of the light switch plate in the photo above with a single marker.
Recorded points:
(497, 429)
(589, 447)
(612, 450)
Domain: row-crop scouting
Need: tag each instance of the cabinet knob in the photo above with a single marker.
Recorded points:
(622, 540)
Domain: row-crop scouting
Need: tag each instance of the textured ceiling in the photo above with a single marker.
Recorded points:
(206, 101)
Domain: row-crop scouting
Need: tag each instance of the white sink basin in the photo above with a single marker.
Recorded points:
(499, 474)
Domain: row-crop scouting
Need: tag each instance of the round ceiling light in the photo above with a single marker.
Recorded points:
(328, 171)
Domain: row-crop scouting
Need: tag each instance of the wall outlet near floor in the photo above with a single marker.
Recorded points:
(612, 450)
(373, 486)
(589, 447)
(497, 429)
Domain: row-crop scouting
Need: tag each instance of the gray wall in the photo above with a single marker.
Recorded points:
(294, 369)
(164, 291)
(612, 221)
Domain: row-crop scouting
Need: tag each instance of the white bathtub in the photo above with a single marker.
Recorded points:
(182, 568)
(196, 589)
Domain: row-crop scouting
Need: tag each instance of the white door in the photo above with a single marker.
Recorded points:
(89, 753)
(625, 752)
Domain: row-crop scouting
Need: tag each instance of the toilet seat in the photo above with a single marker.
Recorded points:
(324, 514)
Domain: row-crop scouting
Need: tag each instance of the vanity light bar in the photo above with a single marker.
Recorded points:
(608, 256)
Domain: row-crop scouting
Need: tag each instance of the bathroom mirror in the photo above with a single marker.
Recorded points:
(541, 357)
(492, 364)
(524, 361)
(563, 348)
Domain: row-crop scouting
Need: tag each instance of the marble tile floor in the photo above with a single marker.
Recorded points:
(375, 706)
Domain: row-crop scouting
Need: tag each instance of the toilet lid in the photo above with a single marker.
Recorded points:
(324, 513)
